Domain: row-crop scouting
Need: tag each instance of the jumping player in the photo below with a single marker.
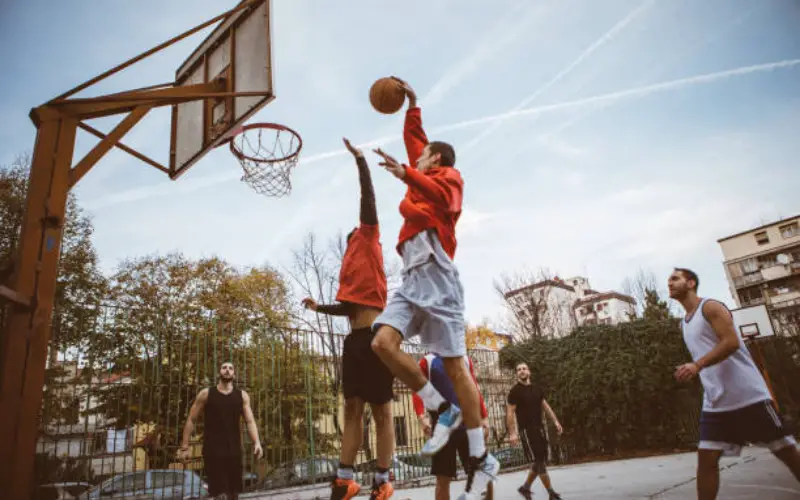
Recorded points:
(430, 301)
(365, 379)
(222, 407)
(444, 462)
(526, 402)
(737, 404)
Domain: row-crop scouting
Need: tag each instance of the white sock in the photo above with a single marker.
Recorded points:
(431, 397)
(476, 445)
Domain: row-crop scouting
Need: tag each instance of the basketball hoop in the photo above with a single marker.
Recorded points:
(267, 152)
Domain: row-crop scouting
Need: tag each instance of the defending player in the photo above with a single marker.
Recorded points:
(430, 301)
(365, 379)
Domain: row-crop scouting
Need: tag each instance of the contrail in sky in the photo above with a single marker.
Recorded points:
(643, 91)
(606, 37)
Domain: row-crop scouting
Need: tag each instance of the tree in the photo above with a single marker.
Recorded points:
(537, 304)
(655, 309)
(174, 320)
(613, 387)
(80, 284)
(641, 286)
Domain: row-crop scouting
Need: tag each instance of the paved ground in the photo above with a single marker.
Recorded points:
(754, 475)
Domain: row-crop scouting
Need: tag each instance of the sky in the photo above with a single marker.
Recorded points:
(594, 138)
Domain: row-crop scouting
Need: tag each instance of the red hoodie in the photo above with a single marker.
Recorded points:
(433, 198)
(362, 279)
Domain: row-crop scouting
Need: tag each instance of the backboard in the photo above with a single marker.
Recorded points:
(753, 322)
(239, 51)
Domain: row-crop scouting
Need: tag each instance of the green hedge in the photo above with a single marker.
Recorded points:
(613, 390)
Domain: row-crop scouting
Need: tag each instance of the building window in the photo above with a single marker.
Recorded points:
(400, 436)
(761, 238)
(599, 307)
(790, 230)
(750, 294)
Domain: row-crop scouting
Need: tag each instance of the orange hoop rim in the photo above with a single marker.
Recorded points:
(269, 126)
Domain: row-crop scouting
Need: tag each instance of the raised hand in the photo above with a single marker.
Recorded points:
(390, 164)
(412, 96)
(353, 150)
(310, 303)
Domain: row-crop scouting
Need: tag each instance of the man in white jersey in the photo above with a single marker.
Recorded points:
(737, 405)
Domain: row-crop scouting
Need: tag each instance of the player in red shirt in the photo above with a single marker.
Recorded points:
(365, 379)
(443, 465)
(430, 301)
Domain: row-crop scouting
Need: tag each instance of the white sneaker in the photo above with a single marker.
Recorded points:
(449, 420)
(486, 472)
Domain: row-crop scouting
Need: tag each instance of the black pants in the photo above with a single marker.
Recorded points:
(224, 474)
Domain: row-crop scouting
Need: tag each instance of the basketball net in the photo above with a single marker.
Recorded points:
(267, 153)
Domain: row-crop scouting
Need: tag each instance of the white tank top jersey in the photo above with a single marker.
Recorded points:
(731, 384)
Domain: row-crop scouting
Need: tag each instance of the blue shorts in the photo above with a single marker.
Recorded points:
(759, 424)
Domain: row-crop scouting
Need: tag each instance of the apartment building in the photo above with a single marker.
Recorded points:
(554, 307)
(763, 267)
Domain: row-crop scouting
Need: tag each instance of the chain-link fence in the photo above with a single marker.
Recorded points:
(115, 405)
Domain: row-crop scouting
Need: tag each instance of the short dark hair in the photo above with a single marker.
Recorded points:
(689, 275)
(448, 154)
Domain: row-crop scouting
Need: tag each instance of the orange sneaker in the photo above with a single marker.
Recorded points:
(382, 492)
(344, 489)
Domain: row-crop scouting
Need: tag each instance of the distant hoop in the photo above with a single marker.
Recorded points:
(749, 331)
(267, 153)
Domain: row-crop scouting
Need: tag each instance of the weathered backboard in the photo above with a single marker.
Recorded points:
(240, 51)
(753, 322)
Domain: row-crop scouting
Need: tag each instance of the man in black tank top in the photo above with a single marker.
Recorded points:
(222, 407)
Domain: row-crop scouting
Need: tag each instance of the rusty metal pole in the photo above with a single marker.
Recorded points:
(26, 334)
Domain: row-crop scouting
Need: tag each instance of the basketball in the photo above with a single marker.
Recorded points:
(387, 96)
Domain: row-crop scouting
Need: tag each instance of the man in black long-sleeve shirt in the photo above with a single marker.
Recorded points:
(365, 379)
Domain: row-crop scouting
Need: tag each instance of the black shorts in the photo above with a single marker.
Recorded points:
(364, 375)
(444, 462)
(534, 444)
(223, 474)
(758, 424)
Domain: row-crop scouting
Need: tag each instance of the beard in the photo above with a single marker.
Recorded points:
(226, 378)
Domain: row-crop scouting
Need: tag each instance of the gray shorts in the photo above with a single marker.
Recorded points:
(429, 303)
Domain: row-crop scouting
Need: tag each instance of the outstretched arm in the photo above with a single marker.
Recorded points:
(337, 309)
(413, 133)
(369, 214)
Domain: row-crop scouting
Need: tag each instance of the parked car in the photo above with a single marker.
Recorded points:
(510, 456)
(60, 491)
(164, 484)
(398, 471)
(309, 470)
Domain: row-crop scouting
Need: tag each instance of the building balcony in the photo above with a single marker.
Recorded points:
(784, 300)
(768, 274)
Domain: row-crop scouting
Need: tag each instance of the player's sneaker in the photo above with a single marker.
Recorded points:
(344, 489)
(525, 492)
(554, 495)
(449, 420)
(382, 492)
(479, 472)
